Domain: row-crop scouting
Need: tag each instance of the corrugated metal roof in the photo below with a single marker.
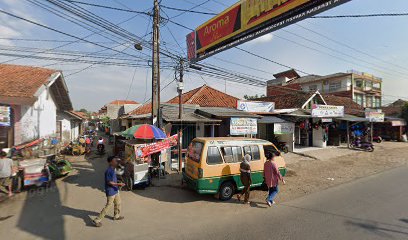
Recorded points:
(224, 112)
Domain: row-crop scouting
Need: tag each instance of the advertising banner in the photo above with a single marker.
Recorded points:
(243, 126)
(156, 147)
(255, 106)
(327, 111)
(5, 116)
(375, 116)
(249, 19)
(283, 128)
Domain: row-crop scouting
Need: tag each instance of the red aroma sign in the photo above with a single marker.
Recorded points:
(220, 27)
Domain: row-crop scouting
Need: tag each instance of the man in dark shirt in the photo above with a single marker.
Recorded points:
(112, 192)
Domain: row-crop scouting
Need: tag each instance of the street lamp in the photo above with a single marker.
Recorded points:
(138, 46)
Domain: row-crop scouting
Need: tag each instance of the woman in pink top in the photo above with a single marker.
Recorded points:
(272, 177)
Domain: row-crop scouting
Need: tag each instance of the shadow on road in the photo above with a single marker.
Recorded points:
(375, 228)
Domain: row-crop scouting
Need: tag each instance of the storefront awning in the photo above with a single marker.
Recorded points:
(351, 118)
(271, 119)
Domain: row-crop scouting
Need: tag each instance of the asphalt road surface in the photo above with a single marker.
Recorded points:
(370, 208)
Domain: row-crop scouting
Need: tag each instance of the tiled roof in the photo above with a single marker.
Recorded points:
(392, 111)
(22, 81)
(123, 102)
(350, 107)
(143, 109)
(206, 96)
(214, 112)
(203, 96)
(290, 100)
(79, 114)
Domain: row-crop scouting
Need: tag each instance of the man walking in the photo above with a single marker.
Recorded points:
(6, 173)
(112, 193)
(245, 170)
(272, 177)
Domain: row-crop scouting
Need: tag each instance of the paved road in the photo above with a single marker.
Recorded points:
(370, 208)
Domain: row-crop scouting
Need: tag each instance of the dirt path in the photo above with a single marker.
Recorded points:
(308, 175)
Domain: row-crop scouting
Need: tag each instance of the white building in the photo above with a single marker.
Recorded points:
(33, 98)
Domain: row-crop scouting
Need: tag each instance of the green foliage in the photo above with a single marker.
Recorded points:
(106, 121)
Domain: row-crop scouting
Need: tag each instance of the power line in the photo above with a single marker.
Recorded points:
(187, 10)
(109, 7)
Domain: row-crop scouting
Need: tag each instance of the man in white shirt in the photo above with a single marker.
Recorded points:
(6, 173)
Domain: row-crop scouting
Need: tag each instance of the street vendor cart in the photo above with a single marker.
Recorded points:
(144, 154)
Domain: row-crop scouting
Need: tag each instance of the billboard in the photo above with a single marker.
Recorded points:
(243, 126)
(247, 20)
(255, 106)
(327, 111)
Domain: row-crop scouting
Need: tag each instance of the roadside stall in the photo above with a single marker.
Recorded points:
(144, 155)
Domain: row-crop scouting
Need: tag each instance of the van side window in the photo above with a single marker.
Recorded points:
(213, 156)
(253, 151)
(232, 154)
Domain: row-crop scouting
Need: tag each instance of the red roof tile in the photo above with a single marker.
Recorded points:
(80, 114)
(144, 109)
(206, 96)
(289, 100)
(22, 81)
(350, 107)
(123, 102)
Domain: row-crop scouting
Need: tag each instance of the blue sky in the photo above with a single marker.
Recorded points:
(381, 44)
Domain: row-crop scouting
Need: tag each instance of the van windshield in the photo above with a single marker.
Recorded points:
(194, 151)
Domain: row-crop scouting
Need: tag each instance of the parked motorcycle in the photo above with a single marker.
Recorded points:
(366, 146)
(377, 139)
(282, 147)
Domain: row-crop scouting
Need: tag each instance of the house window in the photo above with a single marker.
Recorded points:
(377, 102)
(369, 101)
(359, 83)
(313, 88)
(358, 98)
(334, 86)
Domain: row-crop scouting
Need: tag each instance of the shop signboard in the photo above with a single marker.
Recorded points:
(375, 116)
(327, 120)
(5, 116)
(149, 149)
(283, 128)
(327, 111)
(243, 126)
(255, 106)
(249, 19)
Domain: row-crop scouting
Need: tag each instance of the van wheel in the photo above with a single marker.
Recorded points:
(226, 192)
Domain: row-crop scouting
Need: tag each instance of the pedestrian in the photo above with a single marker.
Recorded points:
(245, 170)
(272, 177)
(112, 192)
(6, 173)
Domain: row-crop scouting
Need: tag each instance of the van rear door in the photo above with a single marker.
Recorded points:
(193, 159)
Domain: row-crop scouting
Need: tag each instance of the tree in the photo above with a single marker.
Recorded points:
(248, 97)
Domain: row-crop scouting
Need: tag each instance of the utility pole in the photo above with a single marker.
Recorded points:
(180, 88)
(156, 66)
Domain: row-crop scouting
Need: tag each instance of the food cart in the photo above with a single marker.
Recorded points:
(35, 172)
(144, 155)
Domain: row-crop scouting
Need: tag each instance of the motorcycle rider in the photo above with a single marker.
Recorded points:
(101, 144)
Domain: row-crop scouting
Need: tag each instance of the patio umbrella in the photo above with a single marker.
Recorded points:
(146, 131)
